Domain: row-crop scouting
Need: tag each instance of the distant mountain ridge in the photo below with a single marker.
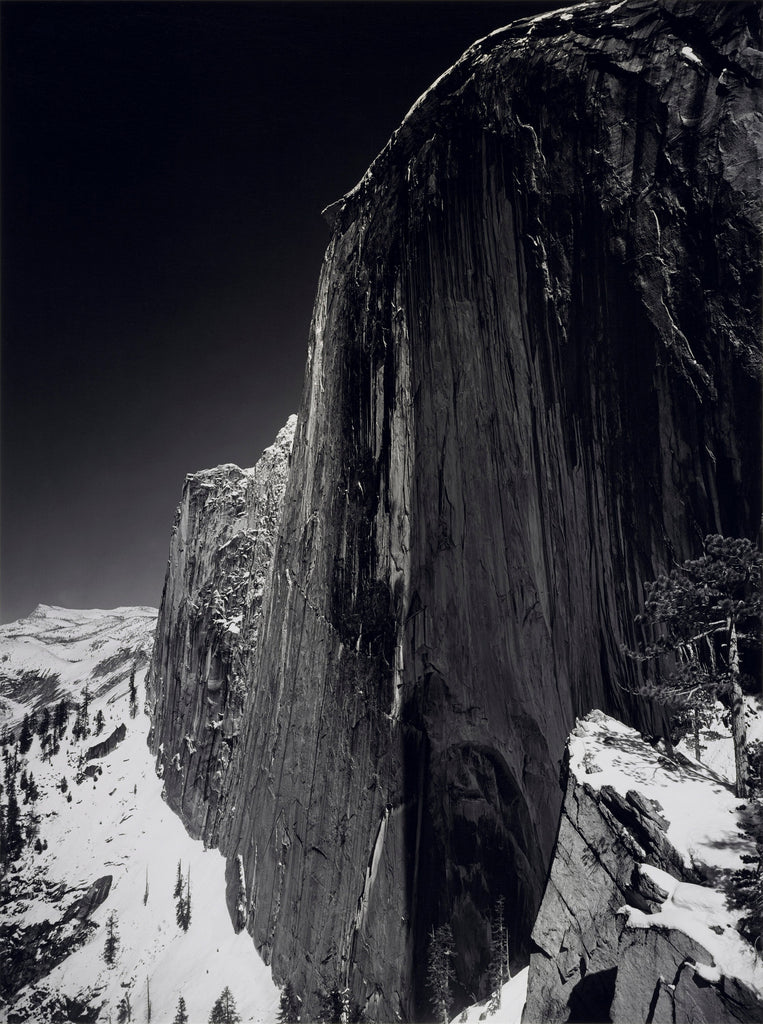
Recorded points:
(53, 651)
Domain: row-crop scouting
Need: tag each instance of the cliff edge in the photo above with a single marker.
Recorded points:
(219, 566)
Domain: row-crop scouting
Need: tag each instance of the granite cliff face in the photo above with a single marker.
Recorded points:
(617, 940)
(219, 564)
(533, 364)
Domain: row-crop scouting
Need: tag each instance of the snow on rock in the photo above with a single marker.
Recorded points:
(49, 654)
(700, 810)
(114, 829)
(634, 919)
(219, 564)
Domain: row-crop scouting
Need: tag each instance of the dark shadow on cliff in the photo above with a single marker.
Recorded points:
(591, 998)
(470, 841)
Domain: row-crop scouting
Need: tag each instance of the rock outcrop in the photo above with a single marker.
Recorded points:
(105, 747)
(220, 557)
(533, 365)
(616, 941)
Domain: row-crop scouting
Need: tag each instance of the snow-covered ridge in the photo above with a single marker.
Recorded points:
(76, 615)
(53, 652)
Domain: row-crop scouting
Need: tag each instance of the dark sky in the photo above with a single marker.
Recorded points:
(163, 171)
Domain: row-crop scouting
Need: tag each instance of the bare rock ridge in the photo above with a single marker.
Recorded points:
(533, 365)
(220, 557)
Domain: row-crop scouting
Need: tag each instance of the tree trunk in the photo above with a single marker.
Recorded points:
(738, 724)
(695, 723)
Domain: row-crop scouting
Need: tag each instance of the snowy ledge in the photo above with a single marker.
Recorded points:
(702, 823)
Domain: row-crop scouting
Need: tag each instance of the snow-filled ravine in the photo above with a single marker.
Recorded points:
(117, 824)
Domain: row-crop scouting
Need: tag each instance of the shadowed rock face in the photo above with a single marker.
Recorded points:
(220, 557)
(532, 370)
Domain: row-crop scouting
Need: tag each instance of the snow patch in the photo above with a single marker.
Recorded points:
(513, 996)
(690, 55)
(701, 913)
(702, 811)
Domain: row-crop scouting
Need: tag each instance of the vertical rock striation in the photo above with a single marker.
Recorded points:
(533, 365)
(219, 564)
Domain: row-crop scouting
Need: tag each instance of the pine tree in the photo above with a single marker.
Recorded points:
(698, 619)
(224, 1011)
(181, 1016)
(145, 893)
(60, 717)
(334, 1005)
(43, 725)
(32, 792)
(133, 695)
(178, 891)
(187, 903)
(183, 903)
(498, 970)
(289, 1006)
(25, 736)
(111, 946)
(440, 973)
(124, 1009)
(100, 721)
(14, 834)
(148, 1003)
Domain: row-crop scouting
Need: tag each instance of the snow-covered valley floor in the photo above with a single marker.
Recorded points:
(118, 825)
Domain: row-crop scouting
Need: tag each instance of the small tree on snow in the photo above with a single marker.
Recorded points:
(181, 1014)
(499, 954)
(25, 736)
(440, 973)
(124, 1008)
(289, 1006)
(43, 724)
(111, 946)
(224, 1011)
(698, 616)
(133, 695)
(183, 904)
(60, 717)
(178, 890)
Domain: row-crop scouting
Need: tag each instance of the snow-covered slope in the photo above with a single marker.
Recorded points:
(52, 652)
(509, 1012)
(112, 823)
